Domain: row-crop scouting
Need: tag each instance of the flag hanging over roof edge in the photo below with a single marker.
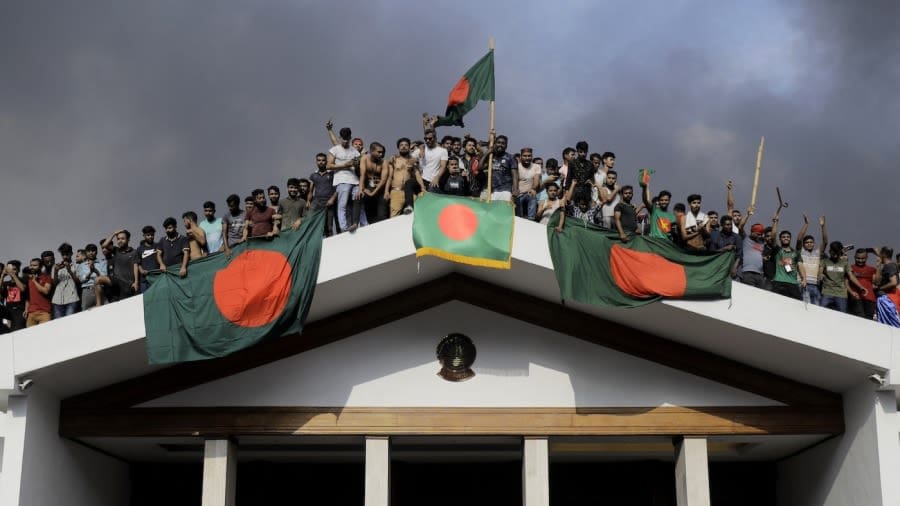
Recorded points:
(475, 85)
(464, 230)
(593, 266)
(227, 304)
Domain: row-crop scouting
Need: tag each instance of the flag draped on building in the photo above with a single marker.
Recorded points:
(226, 304)
(477, 84)
(464, 230)
(594, 267)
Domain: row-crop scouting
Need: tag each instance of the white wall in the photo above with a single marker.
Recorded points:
(7, 367)
(41, 469)
(518, 365)
(856, 468)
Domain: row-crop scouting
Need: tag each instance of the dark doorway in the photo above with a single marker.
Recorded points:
(258, 483)
(456, 484)
(652, 483)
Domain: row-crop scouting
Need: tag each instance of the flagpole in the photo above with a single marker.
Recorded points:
(490, 172)
(759, 155)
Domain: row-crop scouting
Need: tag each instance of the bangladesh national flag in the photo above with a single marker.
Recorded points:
(477, 84)
(464, 230)
(594, 267)
(224, 305)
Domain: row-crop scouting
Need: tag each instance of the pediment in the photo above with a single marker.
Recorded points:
(518, 364)
(542, 368)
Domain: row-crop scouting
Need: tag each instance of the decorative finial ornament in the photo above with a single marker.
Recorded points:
(456, 353)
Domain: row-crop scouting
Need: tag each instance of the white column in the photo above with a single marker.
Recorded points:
(535, 472)
(13, 434)
(219, 472)
(858, 467)
(378, 471)
(691, 471)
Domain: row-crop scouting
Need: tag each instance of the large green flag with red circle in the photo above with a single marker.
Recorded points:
(464, 230)
(594, 266)
(223, 305)
(476, 84)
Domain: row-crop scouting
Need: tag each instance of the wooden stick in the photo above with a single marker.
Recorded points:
(759, 154)
(490, 173)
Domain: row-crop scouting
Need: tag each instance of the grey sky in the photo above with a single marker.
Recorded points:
(121, 113)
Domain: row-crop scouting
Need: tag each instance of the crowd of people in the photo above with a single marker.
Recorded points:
(356, 187)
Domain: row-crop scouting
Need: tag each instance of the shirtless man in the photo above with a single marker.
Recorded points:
(195, 235)
(404, 180)
(374, 173)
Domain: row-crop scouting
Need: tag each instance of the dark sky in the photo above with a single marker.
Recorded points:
(121, 113)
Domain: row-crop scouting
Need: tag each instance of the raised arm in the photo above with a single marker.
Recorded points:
(751, 210)
(329, 126)
(428, 122)
(824, 235)
(645, 196)
(108, 242)
(15, 278)
(729, 196)
(802, 233)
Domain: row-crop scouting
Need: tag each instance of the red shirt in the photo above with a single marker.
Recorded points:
(38, 302)
(261, 221)
(864, 275)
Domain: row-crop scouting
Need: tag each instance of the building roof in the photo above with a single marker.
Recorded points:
(811, 345)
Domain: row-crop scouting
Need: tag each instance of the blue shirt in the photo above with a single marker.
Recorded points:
(213, 232)
(86, 276)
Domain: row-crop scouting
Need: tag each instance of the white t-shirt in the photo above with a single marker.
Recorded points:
(431, 164)
(609, 210)
(526, 177)
(691, 222)
(343, 155)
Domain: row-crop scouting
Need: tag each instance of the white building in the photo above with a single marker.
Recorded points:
(754, 400)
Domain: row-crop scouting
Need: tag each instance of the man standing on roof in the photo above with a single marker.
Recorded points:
(504, 170)
(812, 257)
(344, 161)
(787, 265)
(38, 306)
(661, 220)
(859, 304)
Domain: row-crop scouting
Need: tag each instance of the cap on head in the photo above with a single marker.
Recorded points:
(757, 229)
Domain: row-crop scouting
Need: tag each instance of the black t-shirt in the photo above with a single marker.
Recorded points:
(122, 261)
(12, 296)
(456, 185)
(146, 256)
(769, 253)
(323, 186)
(628, 217)
(173, 251)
